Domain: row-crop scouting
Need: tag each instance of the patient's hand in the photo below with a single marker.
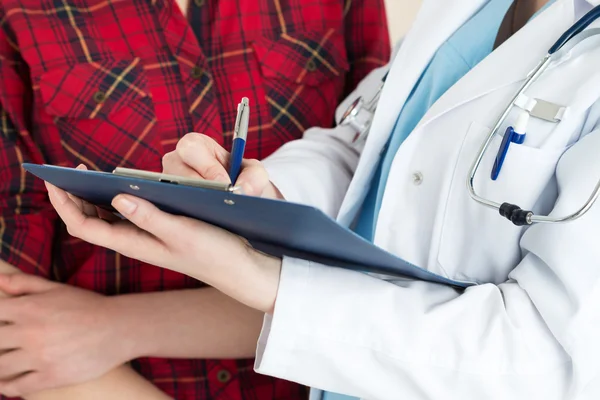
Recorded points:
(63, 334)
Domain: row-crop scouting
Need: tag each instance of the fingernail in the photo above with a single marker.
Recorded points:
(60, 195)
(124, 205)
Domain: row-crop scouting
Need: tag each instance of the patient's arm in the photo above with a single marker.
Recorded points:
(120, 383)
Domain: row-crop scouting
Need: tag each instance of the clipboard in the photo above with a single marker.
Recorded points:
(275, 227)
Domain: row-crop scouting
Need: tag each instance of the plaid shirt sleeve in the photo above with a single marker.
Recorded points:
(367, 39)
(26, 216)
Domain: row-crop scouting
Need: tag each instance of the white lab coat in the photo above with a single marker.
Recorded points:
(531, 328)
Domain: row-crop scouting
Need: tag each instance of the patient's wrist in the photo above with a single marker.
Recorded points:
(130, 328)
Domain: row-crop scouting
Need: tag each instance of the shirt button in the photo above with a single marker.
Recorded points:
(417, 178)
(196, 72)
(311, 66)
(99, 97)
(223, 376)
(199, 3)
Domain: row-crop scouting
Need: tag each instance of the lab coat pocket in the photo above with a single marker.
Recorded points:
(475, 242)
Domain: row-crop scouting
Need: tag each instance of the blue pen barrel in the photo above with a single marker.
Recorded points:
(235, 161)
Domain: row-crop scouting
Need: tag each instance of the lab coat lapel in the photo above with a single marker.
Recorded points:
(511, 62)
(435, 22)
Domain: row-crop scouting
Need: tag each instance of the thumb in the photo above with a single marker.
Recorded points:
(147, 216)
(19, 284)
(253, 178)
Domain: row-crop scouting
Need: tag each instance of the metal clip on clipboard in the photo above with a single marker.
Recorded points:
(175, 180)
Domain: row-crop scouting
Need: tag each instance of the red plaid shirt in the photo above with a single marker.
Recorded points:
(113, 83)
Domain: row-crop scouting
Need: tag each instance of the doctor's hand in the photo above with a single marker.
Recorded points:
(199, 156)
(210, 254)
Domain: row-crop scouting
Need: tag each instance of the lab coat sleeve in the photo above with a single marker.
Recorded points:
(317, 169)
(536, 336)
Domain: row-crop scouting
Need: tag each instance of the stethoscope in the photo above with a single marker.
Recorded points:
(360, 113)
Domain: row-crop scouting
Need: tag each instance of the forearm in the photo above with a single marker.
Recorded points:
(120, 383)
(193, 323)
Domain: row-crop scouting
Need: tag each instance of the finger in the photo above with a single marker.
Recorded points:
(24, 385)
(146, 216)
(65, 205)
(174, 165)
(10, 338)
(59, 195)
(205, 156)
(253, 178)
(84, 205)
(106, 215)
(121, 236)
(9, 311)
(20, 284)
(14, 363)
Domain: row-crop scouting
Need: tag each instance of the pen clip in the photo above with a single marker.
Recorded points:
(242, 110)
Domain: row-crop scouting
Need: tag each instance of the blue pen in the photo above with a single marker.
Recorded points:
(512, 135)
(240, 132)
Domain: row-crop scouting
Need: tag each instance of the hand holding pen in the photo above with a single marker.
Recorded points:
(199, 156)
(250, 175)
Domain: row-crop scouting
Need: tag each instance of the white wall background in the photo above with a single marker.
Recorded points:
(400, 16)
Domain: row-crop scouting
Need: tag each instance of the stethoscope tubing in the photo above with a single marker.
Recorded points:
(517, 215)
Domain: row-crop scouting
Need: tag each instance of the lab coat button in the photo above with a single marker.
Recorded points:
(417, 178)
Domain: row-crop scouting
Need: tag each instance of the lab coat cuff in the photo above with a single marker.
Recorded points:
(280, 177)
(281, 330)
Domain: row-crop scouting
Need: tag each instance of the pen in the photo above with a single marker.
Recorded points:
(514, 134)
(240, 132)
